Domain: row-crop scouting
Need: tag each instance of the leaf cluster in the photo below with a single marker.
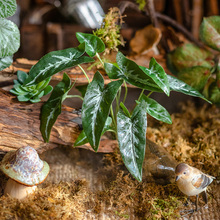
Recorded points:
(9, 34)
(199, 67)
(98, 114)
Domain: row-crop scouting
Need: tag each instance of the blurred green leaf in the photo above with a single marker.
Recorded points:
(195, 76)
(96, 107)
(93, 44)
(5, 62)
(210, 32)
(7, 8)
(9, 38)
(132, 138)
(52, 108)
(188, 55)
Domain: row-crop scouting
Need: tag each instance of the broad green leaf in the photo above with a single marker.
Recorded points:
(195, 76)
(82, 89)
(93, 44)
(82, 139)
(132, 138)
(9, 38)
(215, 94)
(52, 108)
(7, 8)
(43, 84)
(22, 76)
(96, 107)
(179, 86)
(5, 62)
(131, 73)
(210, 32)
(55, 62)
(188, 55)
(157, 73)
(47, 89)
(156, 110)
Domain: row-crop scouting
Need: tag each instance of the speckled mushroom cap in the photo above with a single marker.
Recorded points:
(25, 166)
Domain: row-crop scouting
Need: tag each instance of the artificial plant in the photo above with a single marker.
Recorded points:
(98, 114)
(199, 67)
(9, 34)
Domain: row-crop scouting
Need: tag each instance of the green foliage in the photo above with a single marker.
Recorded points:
(30, 93)
(141, 4)
(98, 114)
(199, 67)
(109, 32)
(9, 34)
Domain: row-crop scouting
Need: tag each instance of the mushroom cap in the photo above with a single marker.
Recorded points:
(25, 166)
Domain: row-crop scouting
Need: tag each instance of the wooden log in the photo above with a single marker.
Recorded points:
(20, 126)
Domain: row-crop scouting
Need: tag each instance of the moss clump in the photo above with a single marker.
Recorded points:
(109, 31)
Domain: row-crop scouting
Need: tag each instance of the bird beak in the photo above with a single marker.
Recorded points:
(177, 178)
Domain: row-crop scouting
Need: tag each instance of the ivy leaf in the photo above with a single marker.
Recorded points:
(82, 139)
(96, 107)
(179, 86)
(195, 76)
(156, 110)
(157, 73)
(7, 8)
(93, 44)
(131, 73)
(55, 62)
(52, 108)
(188, 55)
(5, 62)
(9, 38)
(210, 32)
(132, 138)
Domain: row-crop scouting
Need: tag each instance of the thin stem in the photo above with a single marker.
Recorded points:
(126, 92)
(113, 120)
(100, 59)
(149, 94)
(142, 92)
(74, 96)
(84, 73)
(117, 101)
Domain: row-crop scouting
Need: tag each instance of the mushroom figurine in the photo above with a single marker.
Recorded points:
(25, 170)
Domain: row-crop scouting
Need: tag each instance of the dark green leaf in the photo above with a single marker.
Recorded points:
(48, 89)
(82, 139)
(9, 38)
(156, 110)
(52, 108)
(7, 8)
(188, 55)
(131, 73)
(157, 73)
(179, 86)
(5, 62)
(93, 44)
(82, 89)
(132, 138)
(55, 62)
(195, 76)
(210, 32)
(96, 107)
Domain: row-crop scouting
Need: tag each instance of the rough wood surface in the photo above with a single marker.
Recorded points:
(20, 123)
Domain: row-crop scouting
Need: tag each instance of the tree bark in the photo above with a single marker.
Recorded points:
(20, 126)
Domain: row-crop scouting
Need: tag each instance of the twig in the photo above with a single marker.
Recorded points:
(126, 4)
(151, 12)
(197, 17)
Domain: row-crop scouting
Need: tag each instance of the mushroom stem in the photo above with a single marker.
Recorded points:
(17, 190)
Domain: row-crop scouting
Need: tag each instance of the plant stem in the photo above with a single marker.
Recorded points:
(113, 120)
(74, 96)
(142, 92)
(126, 92)
(100, 59)
(149, 94)
(84, 73)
